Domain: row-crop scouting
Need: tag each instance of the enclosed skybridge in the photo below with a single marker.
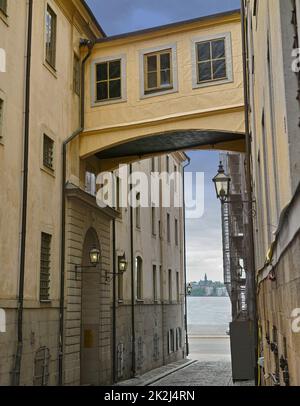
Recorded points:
(170, 88)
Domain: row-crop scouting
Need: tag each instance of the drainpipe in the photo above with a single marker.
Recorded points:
(251, 250)
(18, 357)
(185, 260)
(114, 326)
(132, 284)
(90, 45)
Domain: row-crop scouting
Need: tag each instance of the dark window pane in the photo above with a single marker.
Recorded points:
(102, 71)
(165, 62)
(218, 49)
(204, 51)
(152, 80)
(114, 69)
(219, 69)
(102, 91)
(152, 63)
(204, 71)
(115, 89)
(165, 77)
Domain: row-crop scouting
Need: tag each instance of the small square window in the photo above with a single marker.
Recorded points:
(48, 152)
(108, 80)
(211, 61)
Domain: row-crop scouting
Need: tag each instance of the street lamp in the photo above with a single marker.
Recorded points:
(122, 268)
(123, 264)
(222, 184)
(189, 289)
(94, 256)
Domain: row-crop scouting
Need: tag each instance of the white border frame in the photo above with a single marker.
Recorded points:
(123, 97)
(142, 54)
(229, 60)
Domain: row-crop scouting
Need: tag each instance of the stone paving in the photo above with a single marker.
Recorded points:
(189, 373)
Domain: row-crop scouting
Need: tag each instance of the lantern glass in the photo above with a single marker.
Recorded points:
(94, 256)
(222, 183)
(122, 264)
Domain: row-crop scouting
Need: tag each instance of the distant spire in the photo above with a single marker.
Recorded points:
(205, 278)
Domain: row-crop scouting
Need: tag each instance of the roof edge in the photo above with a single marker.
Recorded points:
(93, 17)
(166, 26)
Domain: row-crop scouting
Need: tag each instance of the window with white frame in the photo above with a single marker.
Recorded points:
(158, 71)
(213, 60)
(48, 152)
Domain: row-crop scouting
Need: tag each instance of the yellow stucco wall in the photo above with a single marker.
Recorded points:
(217, 107)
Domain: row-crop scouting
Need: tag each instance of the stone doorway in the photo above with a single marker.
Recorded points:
(90, 315)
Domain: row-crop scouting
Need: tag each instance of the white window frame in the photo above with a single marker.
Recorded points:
(229, 63)
(143, 52)
(123, 98)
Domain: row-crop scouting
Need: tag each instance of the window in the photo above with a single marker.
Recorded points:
(139, 278)
(159, 229)
(3, 6)
(154, 277)
(1, 118)
(177, 287)
(108, 80)
(171, 343)
(211, 60)
(178, 338)
(51, 37)
(138, 211)
(168, 228)
(90, 182)
(48, 152)
(168, 163)
(120, 285)
(170, 285)
(45, 267)
(153, 166)
(176, 231)
(76, 75)
(153, 220)
(158, 71)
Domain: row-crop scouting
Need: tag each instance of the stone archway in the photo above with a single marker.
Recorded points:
(90, 315)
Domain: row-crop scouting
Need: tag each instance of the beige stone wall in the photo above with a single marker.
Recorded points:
(275, 157)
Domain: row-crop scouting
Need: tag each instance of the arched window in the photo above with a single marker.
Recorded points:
(138, 211)
(139, 278)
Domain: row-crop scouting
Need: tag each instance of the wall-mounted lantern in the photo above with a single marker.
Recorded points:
(222, 184)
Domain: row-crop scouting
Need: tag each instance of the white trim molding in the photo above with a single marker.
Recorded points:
(228, 54)
(123, 97)
(142, 54)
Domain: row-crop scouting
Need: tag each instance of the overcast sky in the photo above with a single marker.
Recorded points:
(204, 240)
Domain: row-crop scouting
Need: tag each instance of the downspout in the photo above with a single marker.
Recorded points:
(253, 309)
(114, 326)
(90, 45)
(132, 284)
(18, 357)
(185, 260)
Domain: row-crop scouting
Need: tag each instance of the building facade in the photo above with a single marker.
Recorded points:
(58, 309)
(272, 30)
